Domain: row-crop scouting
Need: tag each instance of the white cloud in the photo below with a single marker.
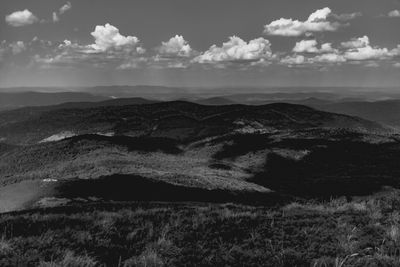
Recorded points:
(360, 49)
(326, 48)
(396, 65)
(175, 47)
(394, 14)
(21, 18)
(354, 51)
(367, 53)
(133, 63)
(395, 52)
(174, 53)
(110, 49)
(65, 8)
(61, 11)
(17, 47)
(310, 46)
(108, 37)
(316, 22)
(348, 16)
(356, 42)
(294, 60)
(237, 50)
(140, 50)
(329, 58)
(55, 17)
(2, 50)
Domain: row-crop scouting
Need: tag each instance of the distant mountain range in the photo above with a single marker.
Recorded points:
(10, 100)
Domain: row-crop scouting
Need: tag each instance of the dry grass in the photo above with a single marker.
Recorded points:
(70, 259)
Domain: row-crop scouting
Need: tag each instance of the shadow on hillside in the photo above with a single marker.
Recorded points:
(137, 188)
(144, 144)
(333, 169)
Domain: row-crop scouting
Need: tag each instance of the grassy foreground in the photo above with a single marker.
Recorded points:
(361, 232)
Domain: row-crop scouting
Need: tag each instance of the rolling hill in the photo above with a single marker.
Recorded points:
(178, 120)
(239, 153)
(385, 112)
(277, 184)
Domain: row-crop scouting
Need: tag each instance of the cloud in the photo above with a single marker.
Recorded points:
(396, 65)
(310, 46)
(21, 18)
(175, 47)
(367, 53)
(348, 16)
(360, 49)
(133, 63)
(55, 17)
(174, 53)
(329, 58)
(17, 47)
(110, 49)
(9, 49)
(294, 60)
(237, 50)
(319, 21)
(355, 51)
(394, 14)
(65, 8)
(108, 37)
(301, 60)
(356, 42)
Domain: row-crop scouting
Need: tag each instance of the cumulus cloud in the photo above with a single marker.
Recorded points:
(394, 14)
(367, 53)
(355, 51)
(174, 53)
(110, 49)
(177, 46)
(356, 42)
(322, 20)
(294, 60)
(9, 49)
(133, 63)
(21, 18)
(57, 14)
(17, 47)
(310, 46)
(360, 49)
(55, 17)
(108, 37)
(65, 8)
(329, 58)
(237, 50)
(318, 60)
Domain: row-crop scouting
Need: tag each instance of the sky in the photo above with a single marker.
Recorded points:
(200, 43)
